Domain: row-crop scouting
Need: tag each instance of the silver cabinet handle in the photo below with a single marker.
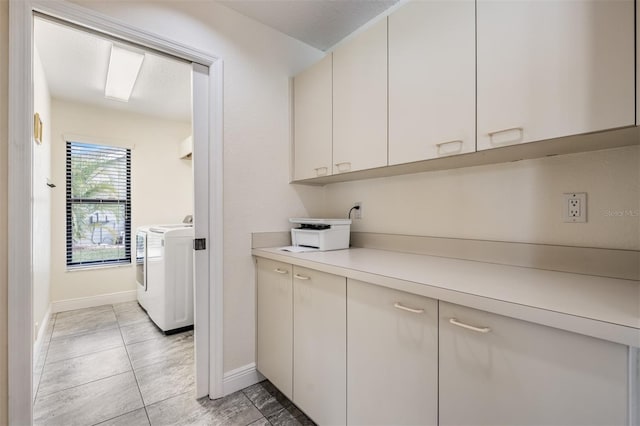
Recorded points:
(520, 131)
(442, 145)
(301, 277)
(405, 308)
(469, 327)
(281, 271)
(321, 171)
(345, 166)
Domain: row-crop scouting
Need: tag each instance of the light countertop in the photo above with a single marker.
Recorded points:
(606, 308)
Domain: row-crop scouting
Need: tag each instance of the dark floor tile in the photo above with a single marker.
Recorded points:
(260, 422)
(290, 416)
(90, 403)
(234, 409)
(266, 398)
(134, 418)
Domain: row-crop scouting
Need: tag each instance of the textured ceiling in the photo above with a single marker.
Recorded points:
(318, 23)
(76, 63)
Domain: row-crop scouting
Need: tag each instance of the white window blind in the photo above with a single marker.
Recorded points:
(98, 204)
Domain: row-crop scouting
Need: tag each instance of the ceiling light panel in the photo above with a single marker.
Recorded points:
(124, 67)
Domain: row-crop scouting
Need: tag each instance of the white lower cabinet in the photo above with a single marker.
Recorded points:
(392, 361)
(496, 370)
(275, 324)
(319, 345)
(350, 352)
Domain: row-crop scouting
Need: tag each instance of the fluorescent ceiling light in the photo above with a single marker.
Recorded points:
(124, 67)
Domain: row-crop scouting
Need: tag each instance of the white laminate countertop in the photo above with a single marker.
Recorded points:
(606, 308)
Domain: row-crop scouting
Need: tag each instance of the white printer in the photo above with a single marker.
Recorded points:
(321, 234)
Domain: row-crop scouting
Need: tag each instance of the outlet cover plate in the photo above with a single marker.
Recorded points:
(358, 212)
(574, 207)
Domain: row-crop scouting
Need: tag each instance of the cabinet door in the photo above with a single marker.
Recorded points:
(553, 68)
(510, 372)
(360, 101)
(432, 103)
(319, 348)
(312, 121)
(275, 324)
(392, 361)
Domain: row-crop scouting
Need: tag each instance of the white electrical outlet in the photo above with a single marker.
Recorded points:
(574, 207)
(358, 213)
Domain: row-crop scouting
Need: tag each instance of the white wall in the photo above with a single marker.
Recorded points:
(258, 62)
(518, 201)
(41, 195)
(161, 192)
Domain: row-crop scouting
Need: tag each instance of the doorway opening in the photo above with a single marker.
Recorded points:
(107, 231)
(113, 203)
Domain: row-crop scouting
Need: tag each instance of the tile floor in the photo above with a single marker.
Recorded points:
(110, 365)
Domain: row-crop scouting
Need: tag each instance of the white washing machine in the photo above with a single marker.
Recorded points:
(168, 298)
(141, 264)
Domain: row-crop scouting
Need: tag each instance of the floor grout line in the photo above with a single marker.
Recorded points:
(144, 405)
(86, 383)
(115, 417)
(110, 348)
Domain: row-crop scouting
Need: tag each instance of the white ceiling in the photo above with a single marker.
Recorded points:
(318, 23)
(76, 63)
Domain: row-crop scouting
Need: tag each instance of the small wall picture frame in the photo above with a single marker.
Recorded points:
(37, 128)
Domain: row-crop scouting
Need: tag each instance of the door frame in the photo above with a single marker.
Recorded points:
(208, 175)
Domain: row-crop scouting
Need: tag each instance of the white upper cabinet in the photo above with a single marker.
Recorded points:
(312, 121)
(548, 69)
(360, 101)
(431, 80)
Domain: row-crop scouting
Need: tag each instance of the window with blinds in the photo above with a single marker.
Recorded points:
(98, 204)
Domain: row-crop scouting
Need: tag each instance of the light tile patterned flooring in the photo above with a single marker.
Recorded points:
(110, 365)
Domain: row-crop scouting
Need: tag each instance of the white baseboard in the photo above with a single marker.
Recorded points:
(92, 301)
(241, 378)
(42, 329)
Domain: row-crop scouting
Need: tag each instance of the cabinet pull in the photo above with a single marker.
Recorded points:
(405, 308)
(321, 171)
(344, 166)
(301, 277)
(506, 141)
(469, 327)
(443, 145)
(281, 271)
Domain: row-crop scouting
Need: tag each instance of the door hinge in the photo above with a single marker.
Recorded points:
(200, 244)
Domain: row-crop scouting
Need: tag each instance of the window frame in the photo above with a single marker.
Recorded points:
(70, 201)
